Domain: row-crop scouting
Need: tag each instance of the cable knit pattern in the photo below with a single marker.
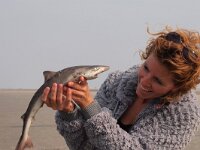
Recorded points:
(169, 127)
(70, 126)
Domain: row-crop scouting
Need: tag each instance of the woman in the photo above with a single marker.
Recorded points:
(150, 106)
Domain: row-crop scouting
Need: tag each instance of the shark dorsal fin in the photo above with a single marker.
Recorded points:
(48, 75)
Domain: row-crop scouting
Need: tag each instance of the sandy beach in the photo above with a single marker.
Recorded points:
(13, 104)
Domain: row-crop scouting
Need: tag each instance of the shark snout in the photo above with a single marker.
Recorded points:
(106, 68)
(96, 70)
(103, 69)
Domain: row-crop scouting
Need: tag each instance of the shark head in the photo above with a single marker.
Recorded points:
(91, 72)
(74, 73)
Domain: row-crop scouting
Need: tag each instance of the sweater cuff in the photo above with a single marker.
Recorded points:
(68, 116)
(91, 110)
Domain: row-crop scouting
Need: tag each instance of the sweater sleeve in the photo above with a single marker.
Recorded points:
(169, 128)
(70, 126)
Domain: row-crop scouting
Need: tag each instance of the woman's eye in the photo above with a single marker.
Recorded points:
(158, 81)
(146, 68)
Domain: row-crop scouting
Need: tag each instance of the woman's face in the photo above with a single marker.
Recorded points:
(155, 79)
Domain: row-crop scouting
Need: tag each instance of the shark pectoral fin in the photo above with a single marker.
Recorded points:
(48, 75)
(22, 117)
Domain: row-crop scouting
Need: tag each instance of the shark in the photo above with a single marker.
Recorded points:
(60, 77)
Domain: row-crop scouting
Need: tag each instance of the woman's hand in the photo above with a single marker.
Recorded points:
(58, 97)
(80, 92)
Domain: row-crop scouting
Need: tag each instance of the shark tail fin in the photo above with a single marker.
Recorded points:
(24, 144)
(28, 143)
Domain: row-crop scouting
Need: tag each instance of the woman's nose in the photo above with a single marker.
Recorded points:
(146, 81)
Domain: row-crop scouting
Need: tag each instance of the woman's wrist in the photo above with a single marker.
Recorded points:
(68, 115)
(91, 110)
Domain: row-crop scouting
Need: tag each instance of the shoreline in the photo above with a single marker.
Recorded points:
(197, 91)
(28, 90)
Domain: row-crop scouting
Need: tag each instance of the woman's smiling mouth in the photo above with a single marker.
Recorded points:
(145, 89)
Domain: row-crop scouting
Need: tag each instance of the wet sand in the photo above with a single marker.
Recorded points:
(13, 104)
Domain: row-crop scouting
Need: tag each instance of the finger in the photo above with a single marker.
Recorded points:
(82, 80)
(45, 94)
(68, 106)
(53, 94)
(75, 86)
(81, 99)
(59, 98)
(68, 94)
(65, 88)
(78, 95)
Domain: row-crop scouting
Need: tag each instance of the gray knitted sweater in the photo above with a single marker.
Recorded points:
(169, 127)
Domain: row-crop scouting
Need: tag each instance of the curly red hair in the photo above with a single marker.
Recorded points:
(179, 52)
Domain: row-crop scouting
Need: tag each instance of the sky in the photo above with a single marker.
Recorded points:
(40, 35)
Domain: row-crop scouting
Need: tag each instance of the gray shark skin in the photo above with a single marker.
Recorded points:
(62, 76)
